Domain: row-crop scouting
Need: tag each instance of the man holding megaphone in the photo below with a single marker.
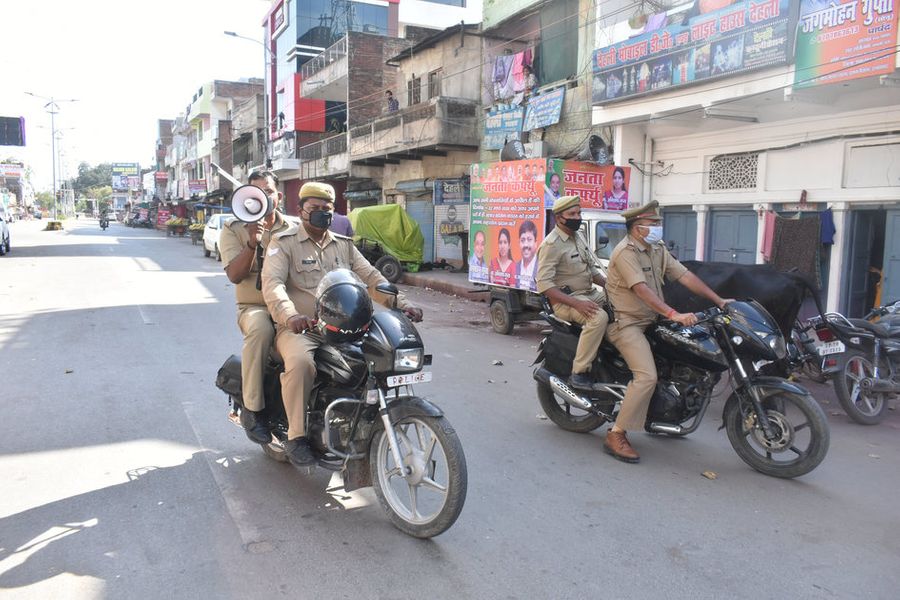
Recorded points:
(243, 243)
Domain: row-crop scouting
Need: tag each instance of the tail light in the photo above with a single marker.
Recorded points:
(824, 334)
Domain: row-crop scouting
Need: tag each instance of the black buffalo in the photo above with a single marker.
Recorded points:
(782, 294)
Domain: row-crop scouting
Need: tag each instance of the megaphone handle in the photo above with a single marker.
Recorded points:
(259, 266)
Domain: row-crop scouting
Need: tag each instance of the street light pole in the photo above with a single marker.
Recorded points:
(52, 107)
(267, 58)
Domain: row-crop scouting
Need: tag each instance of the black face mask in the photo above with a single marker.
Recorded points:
(573, 224)
(321, 218)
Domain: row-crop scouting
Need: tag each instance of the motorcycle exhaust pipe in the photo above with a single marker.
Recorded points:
(569, 395)
(666, 428)
(879, 386)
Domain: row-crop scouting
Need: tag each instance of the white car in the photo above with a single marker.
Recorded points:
(4, 235)
(211, 235)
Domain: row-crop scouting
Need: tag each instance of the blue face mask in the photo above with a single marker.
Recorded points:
(654, 234)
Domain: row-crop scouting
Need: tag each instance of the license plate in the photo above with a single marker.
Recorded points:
(834, 347)
(398, 380)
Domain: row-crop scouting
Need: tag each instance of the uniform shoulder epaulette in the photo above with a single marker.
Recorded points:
(341, 237)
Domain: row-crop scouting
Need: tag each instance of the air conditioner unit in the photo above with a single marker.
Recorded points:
(535, 149)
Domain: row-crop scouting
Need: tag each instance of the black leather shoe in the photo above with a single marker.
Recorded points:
(254, 427)
(581, 380)
(299, 452)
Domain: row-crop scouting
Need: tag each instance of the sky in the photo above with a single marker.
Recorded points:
(128, 64)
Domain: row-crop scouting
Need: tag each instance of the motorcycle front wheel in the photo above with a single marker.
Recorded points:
(428, 500)
(866, 408)
(801, 436)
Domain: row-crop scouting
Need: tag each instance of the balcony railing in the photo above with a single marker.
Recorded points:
(331, 54)
(432, 126)
(335, 144)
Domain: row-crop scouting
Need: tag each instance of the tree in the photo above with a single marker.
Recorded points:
(92, 177)
(45, 200)
(101, 193)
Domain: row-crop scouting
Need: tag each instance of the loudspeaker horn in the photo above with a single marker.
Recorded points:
(250, 204)
(513, 150)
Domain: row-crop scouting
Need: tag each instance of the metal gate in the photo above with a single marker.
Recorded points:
(680, 232)
(421, 210)
(732, 236)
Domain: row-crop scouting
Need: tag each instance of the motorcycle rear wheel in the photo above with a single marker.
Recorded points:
(563, 414)
(429, 501)
(866, 408)
(797, 419)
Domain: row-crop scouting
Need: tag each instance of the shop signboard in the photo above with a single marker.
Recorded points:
(600, 187)
(161, 176)
(451, 217)
(502, 124)
(162, 217)
(706, 41)
(544, 109)
(11, 170)
(126, 176)
(196, 186)
(840, 41)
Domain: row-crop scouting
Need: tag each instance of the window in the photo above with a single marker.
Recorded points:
(733, 172)
(414, 91)
(557, 57)
(434, 83)
(200, 133)
(461, 3)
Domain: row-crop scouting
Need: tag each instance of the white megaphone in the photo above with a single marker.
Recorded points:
(250, 204)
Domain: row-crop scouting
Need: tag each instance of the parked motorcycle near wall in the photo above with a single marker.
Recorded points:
(867, 375)
(774, 425)
(364, 421)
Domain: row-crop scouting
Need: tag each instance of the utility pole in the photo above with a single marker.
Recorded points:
(52, 107)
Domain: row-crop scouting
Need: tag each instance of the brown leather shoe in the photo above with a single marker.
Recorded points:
(617, 444)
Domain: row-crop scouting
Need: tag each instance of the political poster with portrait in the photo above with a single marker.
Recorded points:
(600, 187)
(506, 223)
(126, 176)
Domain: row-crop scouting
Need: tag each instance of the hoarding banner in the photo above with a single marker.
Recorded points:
(842, 41)
(709, 41)
(126, 176)
(161, 176)
(196, 186)
(600, 187)
(162, 217)
(506, 222)
(544, 110)
(11, 170)
(502, 125)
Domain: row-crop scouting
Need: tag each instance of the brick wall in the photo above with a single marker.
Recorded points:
(226, 153)
(369, 76)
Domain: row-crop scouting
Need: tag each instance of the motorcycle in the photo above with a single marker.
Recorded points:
(104, 223)
(867, 374)
(364, 421)
(774, 425)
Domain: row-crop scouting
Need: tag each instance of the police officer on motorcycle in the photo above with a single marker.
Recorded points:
(637, 268)
(296, 261)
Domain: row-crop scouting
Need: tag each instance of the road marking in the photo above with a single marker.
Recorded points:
(147, 320)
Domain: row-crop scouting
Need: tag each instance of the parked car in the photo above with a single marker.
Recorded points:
(4, 237)
(211, 235)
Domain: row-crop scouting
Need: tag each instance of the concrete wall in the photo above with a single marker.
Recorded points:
(437, 16)
(369, 75)
(460, 60)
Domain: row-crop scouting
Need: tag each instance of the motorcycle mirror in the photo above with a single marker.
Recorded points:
(388, 288)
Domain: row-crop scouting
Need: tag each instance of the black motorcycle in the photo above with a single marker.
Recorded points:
(775, 426)
(104, 223)
(364, 421)
(868, 370)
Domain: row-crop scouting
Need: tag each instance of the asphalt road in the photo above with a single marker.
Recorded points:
(122, 477)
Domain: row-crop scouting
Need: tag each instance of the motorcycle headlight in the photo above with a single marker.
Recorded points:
(776, 343)
(408, 360)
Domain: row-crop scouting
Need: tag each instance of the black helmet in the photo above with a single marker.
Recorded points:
(343, 307)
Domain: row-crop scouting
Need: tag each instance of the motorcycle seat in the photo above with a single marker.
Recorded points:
(874, 328)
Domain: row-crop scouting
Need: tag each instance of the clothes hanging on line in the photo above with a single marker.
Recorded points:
(827, 223)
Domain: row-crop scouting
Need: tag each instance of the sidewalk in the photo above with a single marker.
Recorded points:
(454, 284)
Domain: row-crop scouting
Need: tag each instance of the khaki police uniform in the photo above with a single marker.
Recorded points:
(252, 314)
(565, 260)
(294, 266)
(631, 263)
